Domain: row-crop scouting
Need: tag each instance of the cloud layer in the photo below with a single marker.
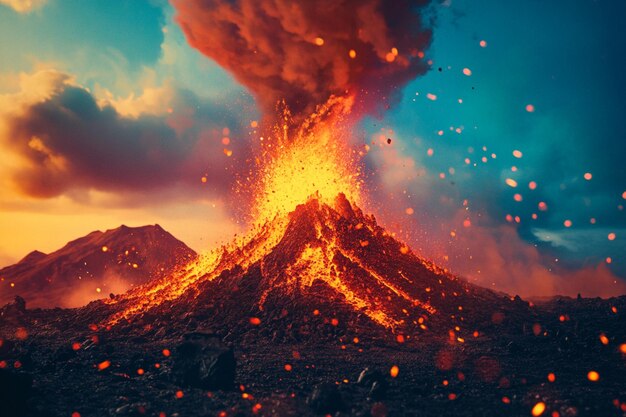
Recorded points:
(65, 140)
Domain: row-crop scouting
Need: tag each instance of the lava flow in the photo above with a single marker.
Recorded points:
(310, 232)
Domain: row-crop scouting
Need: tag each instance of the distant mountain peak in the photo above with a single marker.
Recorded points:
(94, 265)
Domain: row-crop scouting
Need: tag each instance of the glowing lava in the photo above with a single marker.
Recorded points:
(314, 161)
(310, 238)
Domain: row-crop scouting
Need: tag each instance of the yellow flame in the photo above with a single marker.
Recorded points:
(316, 160)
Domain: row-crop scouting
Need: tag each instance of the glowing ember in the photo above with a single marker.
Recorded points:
(593, 376)
(538, 409)
(394, 371)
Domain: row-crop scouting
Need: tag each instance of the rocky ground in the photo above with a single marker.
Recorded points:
(55, 365)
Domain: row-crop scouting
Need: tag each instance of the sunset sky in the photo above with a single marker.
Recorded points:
(506, 160)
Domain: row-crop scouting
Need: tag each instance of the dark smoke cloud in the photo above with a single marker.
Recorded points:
(270, 46)
(68, 141)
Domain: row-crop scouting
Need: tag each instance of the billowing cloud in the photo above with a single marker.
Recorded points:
(303, 52)
(24, 6)
(65, 139)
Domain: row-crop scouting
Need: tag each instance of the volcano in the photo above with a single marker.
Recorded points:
(110, 261)
(322, 263)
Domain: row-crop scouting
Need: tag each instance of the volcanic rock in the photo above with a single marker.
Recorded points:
(15, 389)
(202, 361)
(325, 399)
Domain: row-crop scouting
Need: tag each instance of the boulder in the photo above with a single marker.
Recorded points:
(202, 361)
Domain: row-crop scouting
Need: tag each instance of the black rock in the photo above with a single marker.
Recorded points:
(15, 389)
(325, 399)
(378, 390)
(369, 376)
(202, 361)
(375, 380)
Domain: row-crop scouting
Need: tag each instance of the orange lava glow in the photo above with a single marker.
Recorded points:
(314, 161)
(312, 165)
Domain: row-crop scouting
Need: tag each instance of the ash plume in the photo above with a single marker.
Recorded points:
(303, 52)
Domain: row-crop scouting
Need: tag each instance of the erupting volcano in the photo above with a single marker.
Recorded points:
(317, 308)
(312, 241)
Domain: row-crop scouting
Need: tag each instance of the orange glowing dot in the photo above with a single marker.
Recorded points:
(400, 338)
(603, 339)
(614, 309)
(467, 71)
(542, 206)
(355, 340)
(517, 197)
(140, 371)
(588, 176)
(608, 260)
(431, 96)
(75, 346)
(467, 223)
(104, 365)
(225, 141)
(166, 352)
(255, 321)
(319, 41)
(551, 377)
(21, 333)
(530, 108)
(105, 249)
(532, 185)
(483, 44)
(135, 266)
(204, 179)
(256, 408)
(622, 348)
(567, 223)
(517, 154)
(390, 57)
(316, 312)
(538, 409)
(562, 318)
(409, 210)
(452, 396)
(624, 195)
(394, 371)
(352, 53)
(228, 152)
(254, 123)
(506, 400)
(288, 367)
(511, 182)
(611, 236)
(394, 51)
(430, 152)
(334, 322)
(404, 250)
(179, 394)
(421, 54)
(593, 376)
(75, 414)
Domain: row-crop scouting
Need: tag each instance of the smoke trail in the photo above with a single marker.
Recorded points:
(305, 51)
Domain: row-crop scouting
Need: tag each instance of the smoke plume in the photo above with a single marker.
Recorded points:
(304, 51)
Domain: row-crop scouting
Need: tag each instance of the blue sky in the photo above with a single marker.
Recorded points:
(564, 58)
